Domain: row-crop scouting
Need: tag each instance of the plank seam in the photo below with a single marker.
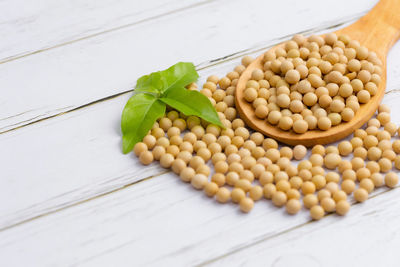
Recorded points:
(68, 111)
(16, 57)
(83, 201)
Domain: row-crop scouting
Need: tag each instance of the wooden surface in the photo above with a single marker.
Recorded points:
(378, 31)
(70, 197)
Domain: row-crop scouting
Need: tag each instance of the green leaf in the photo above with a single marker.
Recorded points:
(191, 103)
(178, 75)
(150, 83)
(139, 115)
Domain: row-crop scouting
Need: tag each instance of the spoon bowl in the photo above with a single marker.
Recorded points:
(378, 31)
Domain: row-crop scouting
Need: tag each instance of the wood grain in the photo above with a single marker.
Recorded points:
(34, 27)
(63, 79)
(165, 222)
(378, 31)
(160, 222)
(369, 232)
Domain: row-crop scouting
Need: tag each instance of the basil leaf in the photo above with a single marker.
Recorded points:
(139, 115)
(191, 103)
(178, 75)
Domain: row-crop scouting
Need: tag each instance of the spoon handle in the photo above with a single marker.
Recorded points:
(379, 29)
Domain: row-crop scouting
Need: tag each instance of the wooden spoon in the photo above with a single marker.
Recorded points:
(378, 31)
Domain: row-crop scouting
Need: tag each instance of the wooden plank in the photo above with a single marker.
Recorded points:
(164, 222)
(63, 79)
(158, 222)
(32, 27)
(367, 236)
(77, 156)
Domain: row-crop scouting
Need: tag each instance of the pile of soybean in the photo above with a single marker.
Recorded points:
(313, 83)
(242, 166)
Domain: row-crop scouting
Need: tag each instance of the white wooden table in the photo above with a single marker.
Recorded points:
(68, 196)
